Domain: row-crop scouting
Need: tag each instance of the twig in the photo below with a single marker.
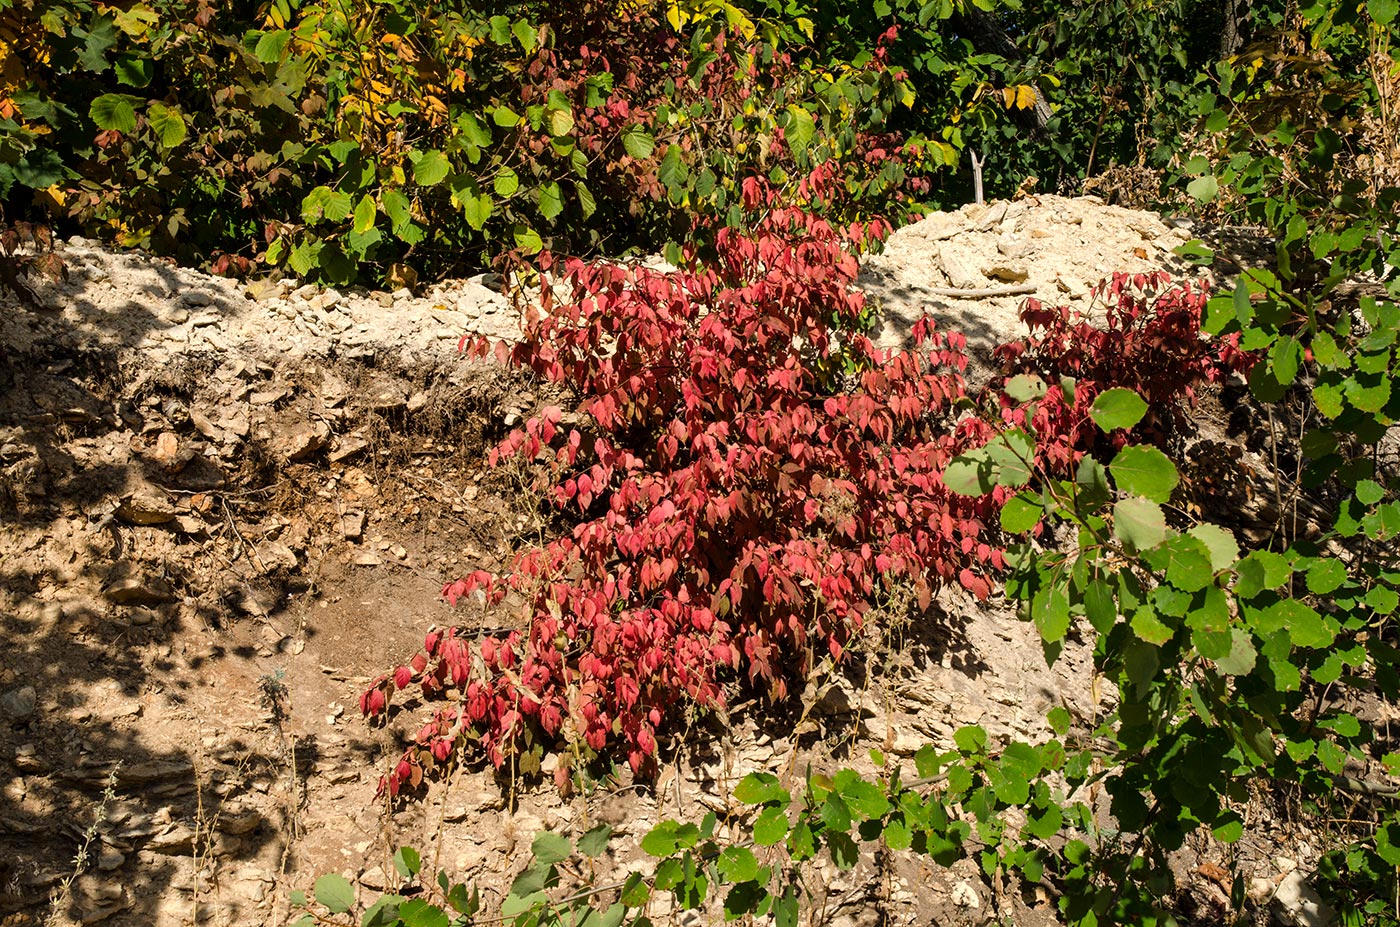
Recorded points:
(1019, 289)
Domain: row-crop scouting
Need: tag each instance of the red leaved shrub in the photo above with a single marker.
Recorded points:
(753, 473)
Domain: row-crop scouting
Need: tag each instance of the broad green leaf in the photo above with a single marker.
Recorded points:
(506, 182)
(1117, 408)
(167, 123)
(505, 117)
(1204, 189)
(970, 474)
(271, 45)
(1142, 470)
(1091, 483)
(586, 203)
(897, 834)
(473, 130)
(1021, 513)
(500, 30)
(736, 864)
(430, 168)
(1050, 612)
(1242, 654)
(800, 129)
(1369, 492)
(477, 209)
(1326, 576)
(397, 208)
(1187, 563)
(771, 826)
(335, 893)
(527, 240)
(638, 143)
(595, 841)
(560, 122)
(971, 740)
(549, 847)
(551, 201)
(524, 34)
(1219, 542)
(1147, 626)
(1384, 13)
(134, 70)
(407, 862)
(760, 789)
(365, 213)
(114, 112)
(1025, 387)
(1139, 522)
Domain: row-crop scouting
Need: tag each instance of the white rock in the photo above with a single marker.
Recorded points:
(1296, 903)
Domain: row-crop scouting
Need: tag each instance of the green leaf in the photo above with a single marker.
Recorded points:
(527, 239)
(737, 864)
(524, 34)
(473, 130)
(335, 893)
(1050, 611)
(844, 852)
(271, 45)
(1144, 471)
(477, 209)
(1369, 492)
(1139, 523)
(800, 129)
(1219, 543)
(595, 841)
(407, 862)
(970, 474)
(430, 168)
(1147, 626)
(114, 112)
(971, 740)
(505, 117)
(760, 789)
(1204, 189)
(549, 847)
(672, 170)
(1242, 655)
(561, 122)
(661, 839)
(1188, 564)
(1285, 358)
(638, 143)
(771, 826)
(1326, 576)
(1047, 824)
(506, 182)
(1383, 12)
(898, 837)
(134, 70)
(551, 201)
(1021, 513)
(167, 123)
(586, 203)
(1091, 483)
(1025, 387)
(1229, 828)
(365, 213)
(1117, 408)
(500, 30)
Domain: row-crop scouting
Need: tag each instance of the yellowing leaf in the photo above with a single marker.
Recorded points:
(1025, 96)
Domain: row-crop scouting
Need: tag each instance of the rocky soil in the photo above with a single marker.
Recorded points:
(226, 506)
